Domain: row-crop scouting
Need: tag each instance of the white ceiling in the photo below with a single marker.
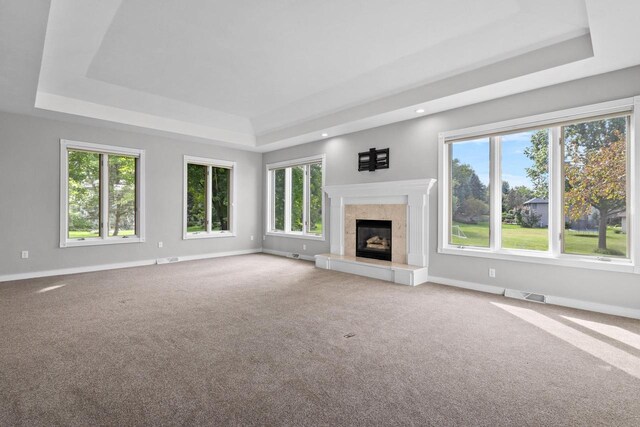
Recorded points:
(261, 75)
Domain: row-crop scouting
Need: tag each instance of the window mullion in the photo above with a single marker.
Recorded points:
(556, 180)
(287, 200)
(137, 196)
(495, 202)
(208, 198)
(630, 188)
(305, 199)
(231, 212)
(633, 219)
(104, 196)
(633, 205)
(272, 200)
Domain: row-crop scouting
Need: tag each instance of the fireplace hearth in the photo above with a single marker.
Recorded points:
(373, 239)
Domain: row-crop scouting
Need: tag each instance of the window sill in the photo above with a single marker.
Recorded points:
(296, 235)
(101, 242)
(205, 235)
(565, 260)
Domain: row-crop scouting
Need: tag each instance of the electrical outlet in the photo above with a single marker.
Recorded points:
(24, 254)
(251, 237)
(264, 237)
(304, 247)
(160, 244)
(492, 272)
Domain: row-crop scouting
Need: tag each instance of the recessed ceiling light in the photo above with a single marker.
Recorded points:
(420, 110)
(324, 135)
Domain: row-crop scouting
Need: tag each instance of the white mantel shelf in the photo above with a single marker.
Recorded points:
(413, 193)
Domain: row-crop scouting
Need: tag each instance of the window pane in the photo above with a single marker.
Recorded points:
(196, 198)
(278, 198)
(525, 190)
(122, 195)
(470, 193)
(220, 191)
(297, 198)
(84, 194)
(315, 198)
(595, 196)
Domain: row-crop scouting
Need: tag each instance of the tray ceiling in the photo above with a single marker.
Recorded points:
(262, 75)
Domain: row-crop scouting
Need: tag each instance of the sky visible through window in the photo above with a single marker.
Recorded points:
(514, 161)
(594, 197)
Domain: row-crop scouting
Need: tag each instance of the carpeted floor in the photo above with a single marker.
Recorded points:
(260, 340)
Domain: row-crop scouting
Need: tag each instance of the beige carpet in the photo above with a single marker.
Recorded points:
(260, 340)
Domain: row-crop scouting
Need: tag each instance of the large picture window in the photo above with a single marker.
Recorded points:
(102, 194)
(208, 198)
(556, 187)
(296, 201)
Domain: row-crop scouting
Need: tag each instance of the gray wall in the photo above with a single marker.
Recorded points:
(414, 154)
(29, 191)
(29, 196)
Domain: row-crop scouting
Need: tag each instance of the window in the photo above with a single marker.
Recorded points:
(595, 186)
(208, 198)
(296, 201)
(524, 189)
(470, 193)
(102, 194)
(555, 188)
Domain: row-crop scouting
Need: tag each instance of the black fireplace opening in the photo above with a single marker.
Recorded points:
(373, 239)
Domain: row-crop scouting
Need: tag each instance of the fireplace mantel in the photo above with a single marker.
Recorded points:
(413, 193)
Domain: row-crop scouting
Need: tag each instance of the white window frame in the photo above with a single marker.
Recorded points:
(104, 239)
(306, 161)
(208, 233)
(554, 255)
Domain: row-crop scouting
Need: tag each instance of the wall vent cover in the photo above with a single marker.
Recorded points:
(527, 296)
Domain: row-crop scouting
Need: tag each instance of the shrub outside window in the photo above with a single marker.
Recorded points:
(209, 207)
(556, 187)
(295, 198)
(102, 194)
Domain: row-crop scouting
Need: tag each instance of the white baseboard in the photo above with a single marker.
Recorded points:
(550, 299)
(167, 260)
(616, 310)
(114, 266)
(560, 301)
(467, 285)
(288, 254)
(75, 270)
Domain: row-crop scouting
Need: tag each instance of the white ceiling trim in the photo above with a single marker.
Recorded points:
(64, 88)
(61, 104)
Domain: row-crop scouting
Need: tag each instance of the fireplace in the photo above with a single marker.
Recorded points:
(405, 205)
(373, 239)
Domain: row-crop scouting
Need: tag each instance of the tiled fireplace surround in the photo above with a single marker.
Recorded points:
(406, 204)
(397, 214)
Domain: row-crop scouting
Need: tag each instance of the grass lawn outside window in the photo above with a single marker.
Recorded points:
(517, 237)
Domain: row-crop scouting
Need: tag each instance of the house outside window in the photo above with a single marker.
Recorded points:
(556, 188)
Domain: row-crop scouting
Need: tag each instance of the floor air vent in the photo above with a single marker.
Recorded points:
(527, 296)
